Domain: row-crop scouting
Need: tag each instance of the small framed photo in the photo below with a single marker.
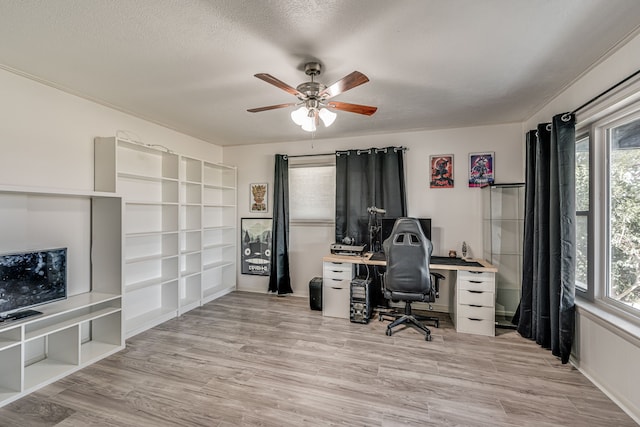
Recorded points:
(258, 197)
(441, 171)
(255, 236)
(481, 169)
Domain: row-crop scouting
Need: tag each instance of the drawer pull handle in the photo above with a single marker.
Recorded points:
(475, 272)
(475, 281)
(336, 271)
(474, 319)
(336, 263)
(475, 305)
(337, 280)
(333, 287)
(475, 292)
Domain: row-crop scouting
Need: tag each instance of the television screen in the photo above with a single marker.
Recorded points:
(28, 279)
(387, 227)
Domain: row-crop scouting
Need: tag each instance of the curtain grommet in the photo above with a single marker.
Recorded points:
(566, 117)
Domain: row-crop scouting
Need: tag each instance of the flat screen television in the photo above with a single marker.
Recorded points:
(387, 227)
(28, 279)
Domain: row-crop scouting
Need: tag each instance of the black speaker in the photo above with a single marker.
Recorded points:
(361, 309)
(315, 293)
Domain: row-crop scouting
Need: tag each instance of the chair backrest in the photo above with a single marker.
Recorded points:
(408, 253)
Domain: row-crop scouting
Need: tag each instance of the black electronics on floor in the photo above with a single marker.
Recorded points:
(315, 293)
(361, 307)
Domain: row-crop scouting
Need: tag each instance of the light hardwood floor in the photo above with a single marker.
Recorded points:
(261, 360)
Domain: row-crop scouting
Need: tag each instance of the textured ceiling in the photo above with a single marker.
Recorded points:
(189, 64)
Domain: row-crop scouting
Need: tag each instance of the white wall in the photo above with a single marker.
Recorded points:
(46, 136)
(455, 213)
(602, 352)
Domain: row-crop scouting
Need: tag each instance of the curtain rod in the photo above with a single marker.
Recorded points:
(344, 152)
(595, 98)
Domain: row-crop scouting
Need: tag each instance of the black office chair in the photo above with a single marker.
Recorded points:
(407, 278)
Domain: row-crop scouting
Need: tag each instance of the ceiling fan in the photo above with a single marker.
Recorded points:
(314, 98)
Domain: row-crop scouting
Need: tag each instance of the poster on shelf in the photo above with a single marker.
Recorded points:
(256, 245)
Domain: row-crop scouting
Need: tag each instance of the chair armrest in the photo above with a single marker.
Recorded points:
(436, 282)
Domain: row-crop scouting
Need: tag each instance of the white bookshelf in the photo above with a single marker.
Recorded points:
(180, 228)
(86, 326)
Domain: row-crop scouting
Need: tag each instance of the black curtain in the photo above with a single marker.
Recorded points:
(547, 309)
(279, 277)
(368, 178)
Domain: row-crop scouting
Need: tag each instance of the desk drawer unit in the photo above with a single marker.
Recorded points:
(336, 288)
(475, 303)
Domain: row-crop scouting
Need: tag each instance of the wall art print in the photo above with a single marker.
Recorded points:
(259, 196)
(481, 169)
(256, 245)
(441, 171)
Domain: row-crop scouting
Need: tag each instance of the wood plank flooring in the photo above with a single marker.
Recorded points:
(260, 360)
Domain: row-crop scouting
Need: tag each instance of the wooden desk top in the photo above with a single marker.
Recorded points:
(486, 267)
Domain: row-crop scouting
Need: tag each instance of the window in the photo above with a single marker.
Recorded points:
(582, 213)
(312, 191)
(608, 208)
(623, 146)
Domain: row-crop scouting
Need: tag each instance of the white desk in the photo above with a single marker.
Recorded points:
(472, 304)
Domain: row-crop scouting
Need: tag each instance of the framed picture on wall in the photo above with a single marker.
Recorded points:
(259, 196)
(441, 171)
(255, 235)
(481, 169)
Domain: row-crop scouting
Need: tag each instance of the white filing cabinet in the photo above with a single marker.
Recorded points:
(336, 283)
(474, 303)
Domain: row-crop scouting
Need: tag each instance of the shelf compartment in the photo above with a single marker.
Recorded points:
(190, 292)
(58, 356)
(217, 195)
(104, 337)
(218, 281)
(190, 264)
(10, 372)
(137, 159)
(145, 189)
(191, 193)
(219, 174)
(190, 170)
(10, 337)
(148, 218)
(218, 216)
(52, 324)
(150, 304)
(140, 247)
(190, 241)
(190, 218)
(150, 272)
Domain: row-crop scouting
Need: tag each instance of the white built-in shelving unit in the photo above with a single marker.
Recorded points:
(180, 228)
(85, 327)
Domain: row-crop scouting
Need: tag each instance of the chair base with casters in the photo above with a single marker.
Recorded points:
(411, 319)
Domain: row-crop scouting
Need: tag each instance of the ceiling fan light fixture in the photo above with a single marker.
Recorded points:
(309, 124)
(327, 116)
(299, 116)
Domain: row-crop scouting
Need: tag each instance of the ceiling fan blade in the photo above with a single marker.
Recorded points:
(270, 107)
(348, 82)
(279, 84)
(352, 108)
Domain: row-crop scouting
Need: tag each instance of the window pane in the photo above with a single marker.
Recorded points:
(312, 193)
(582, 212)
(582, 174)
(581, 252)
(624, 206)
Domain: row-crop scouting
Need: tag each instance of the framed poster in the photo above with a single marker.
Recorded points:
(256, 245)
(441, 171)
(481, 169)
(259, 197)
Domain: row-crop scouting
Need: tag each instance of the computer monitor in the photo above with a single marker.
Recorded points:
(388, 223)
